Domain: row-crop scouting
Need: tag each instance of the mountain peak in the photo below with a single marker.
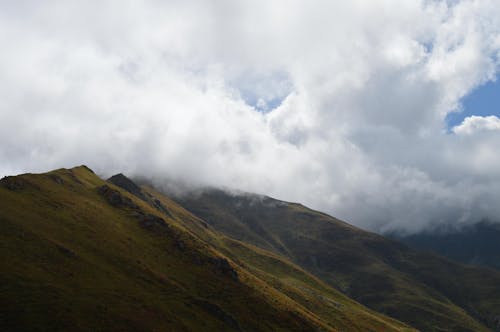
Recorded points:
(83, 168)
(124, 182)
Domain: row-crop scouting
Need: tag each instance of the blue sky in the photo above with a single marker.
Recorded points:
(483, 101)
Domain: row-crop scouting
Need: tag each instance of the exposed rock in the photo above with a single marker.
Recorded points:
(115, 198)
(221, 265)
(56, 178)
(67, 252)
(124, 182)
(159, 206)
(152, 223)
(14, 183)
(179, 244)
(217, 312)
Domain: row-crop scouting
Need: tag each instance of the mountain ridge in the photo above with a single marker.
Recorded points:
(84, 254)
(383, 274)
(476, 244)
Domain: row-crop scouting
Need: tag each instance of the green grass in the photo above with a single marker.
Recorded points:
(278, 272)
(76, 263)
(73, 262)
(426, 291)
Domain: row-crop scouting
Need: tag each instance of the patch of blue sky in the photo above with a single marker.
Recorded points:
(428, 46)
(264, 92)
(262, 105)
(483, 101)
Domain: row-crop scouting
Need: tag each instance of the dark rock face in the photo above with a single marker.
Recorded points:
(149, 220)
(14, 183)
(152, 223)
(159, 206)
(124, 182)
(67, 252)
(217, 312)
(56, 178)
(179, 244)
(115, 198)
(221, 265)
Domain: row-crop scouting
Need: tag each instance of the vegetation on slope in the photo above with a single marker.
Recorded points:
(423, 290)
(82, 254)
(279, 272)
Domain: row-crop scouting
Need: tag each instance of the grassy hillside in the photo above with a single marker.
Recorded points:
(423, 290)
(330, 305)
(81, 254)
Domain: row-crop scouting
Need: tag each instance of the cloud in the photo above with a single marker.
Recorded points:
(474, 124)
(339, 105)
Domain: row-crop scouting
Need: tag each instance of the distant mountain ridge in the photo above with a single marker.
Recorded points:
(423, 290)
(476, 244)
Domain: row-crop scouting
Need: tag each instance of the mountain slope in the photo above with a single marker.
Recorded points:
(329, 304)
(83, 254)
(477, 244)
(423, 290)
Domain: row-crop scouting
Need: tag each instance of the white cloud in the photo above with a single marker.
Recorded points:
(474, 124)
(169, 88)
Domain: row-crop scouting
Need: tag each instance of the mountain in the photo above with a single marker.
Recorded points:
(477, 244)
(83, 254)
(423, 290)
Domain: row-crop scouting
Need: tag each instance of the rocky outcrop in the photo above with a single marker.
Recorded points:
(159, 206)
(217, 312)
(152, 222)
(66, 251)
(56, 178)
(124, 182)
(221, 265)
(15, 183)
(116, 198)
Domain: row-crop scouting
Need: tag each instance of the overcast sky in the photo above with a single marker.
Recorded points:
(340, 105)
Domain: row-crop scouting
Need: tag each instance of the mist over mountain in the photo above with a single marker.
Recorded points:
(477, 244)
(342, 106)
(282, 165)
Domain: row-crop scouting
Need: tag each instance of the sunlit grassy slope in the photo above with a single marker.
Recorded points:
(423, 290)
(81, 254)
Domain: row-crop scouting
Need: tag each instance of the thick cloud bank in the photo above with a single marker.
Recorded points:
(340, 105)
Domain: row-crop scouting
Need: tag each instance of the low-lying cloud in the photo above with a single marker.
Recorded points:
(338, 105)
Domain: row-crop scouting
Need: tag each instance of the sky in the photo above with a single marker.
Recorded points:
(384, 113)
(482, 101)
